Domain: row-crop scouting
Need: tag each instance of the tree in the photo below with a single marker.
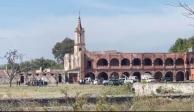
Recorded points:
(13, 58)
(189, 11)
(37, 63)
(182, 45)
(61, 48)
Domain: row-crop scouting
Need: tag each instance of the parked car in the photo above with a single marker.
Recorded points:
(122, 80)
(86, 80)
(167, 79)
(134, 78)
(112, 82)
(95, 82)
(128, 81)
(147, 78)
(105, 82)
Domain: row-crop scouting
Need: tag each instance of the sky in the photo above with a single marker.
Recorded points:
(34, 26)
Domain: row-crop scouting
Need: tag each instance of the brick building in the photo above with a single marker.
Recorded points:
(107, 64)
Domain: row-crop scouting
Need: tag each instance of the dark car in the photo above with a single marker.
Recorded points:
(115, 82)
(167, 79)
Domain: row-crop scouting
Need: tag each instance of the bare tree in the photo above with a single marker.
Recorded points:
(189, 11)
(13, 57)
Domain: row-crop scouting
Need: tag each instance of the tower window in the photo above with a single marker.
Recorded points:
(89, 64)
(80, 49)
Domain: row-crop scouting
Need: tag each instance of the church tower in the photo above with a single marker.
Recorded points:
(79, 48)
(79, 44)
(76, 61)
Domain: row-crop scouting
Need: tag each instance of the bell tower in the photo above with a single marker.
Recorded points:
(79, 48)
(79, 44)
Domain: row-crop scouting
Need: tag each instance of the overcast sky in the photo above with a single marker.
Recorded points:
(34, 26)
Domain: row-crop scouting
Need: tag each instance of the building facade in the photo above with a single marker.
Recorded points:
(108, 64)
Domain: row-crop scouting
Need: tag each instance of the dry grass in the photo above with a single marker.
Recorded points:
(162, 104)
(60, 90)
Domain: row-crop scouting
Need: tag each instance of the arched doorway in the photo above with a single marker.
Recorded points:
(114, 75)
(169, 76)
(148, 73)
(179, 61)
(180, 76)
(102, 62)
(187, 75)
(125, 62)
(136, 62)
(114, 62)
(192, 60)
(125, 74)
(60, 78)
(147, 62)
(21, 78)
(187, 61)
(169, 62)
(158, 76)
(138, 75)
(102, 76)
(91, 75)
(158, 62)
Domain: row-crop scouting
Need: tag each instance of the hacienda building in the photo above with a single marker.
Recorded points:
(108, 64)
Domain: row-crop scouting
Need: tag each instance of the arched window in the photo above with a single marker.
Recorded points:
(147, 62)
(169, 62)
(136, 62)
(102, 62)
(158, 62)
(179, 61)
(114, 62)
(125, 62)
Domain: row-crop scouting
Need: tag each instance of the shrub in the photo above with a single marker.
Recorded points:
(79, 102)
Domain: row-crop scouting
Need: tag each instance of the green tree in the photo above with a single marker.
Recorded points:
(61, 48)
(37, 63)
(182, 45)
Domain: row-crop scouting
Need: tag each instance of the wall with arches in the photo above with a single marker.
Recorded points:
(157, 64)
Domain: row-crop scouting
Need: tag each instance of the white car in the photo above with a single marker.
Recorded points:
(134, 78)
(128, 81)
(147, 78)
(105, 82)
(95, 82)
